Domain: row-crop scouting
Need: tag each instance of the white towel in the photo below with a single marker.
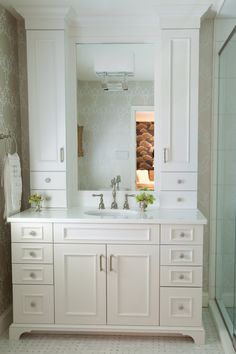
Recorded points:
(12, 183)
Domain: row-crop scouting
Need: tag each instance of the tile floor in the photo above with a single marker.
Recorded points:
(84, 344)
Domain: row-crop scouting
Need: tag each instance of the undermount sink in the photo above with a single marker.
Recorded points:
(114, 213)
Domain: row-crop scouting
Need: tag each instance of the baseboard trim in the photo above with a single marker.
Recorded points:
(221, 329)
(5, 319)
(205, 299)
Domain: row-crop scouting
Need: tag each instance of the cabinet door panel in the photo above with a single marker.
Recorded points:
(80, 284)
(132, 285)
(46, 82)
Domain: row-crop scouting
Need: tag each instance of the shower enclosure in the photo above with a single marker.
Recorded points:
(226, 186)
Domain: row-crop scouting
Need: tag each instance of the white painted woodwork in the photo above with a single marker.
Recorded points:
(178, 181)
(31, 232)
(52, 198)
(132, 285)
(46, 90)
(182, 234)
(181, 307)
(32, 274)
(80, 284)
(178, 200)
(32, 253)
(181, 255)
(181, 276)
(179, 100)
(109, 233)
(33, 304)
(48, 180)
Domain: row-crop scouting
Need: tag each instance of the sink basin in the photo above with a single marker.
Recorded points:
(112, 213)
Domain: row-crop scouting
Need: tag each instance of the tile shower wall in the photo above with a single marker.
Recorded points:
(11, 80)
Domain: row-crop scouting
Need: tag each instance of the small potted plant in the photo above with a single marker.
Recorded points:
(36, 199)
(144, 199)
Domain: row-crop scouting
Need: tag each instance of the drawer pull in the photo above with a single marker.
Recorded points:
(32, 233)
(182, 255)
(181, 276)
(47, 180)
(32, 254)
(180, 199)
(181, 307)
(182, 234)
(180, 181)
(33, 304)
(32, 275)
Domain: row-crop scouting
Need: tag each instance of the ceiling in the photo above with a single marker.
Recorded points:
(228, 9)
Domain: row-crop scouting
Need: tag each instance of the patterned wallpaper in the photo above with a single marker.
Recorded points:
(12, 57)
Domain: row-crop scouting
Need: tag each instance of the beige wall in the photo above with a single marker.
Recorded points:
(12, 105)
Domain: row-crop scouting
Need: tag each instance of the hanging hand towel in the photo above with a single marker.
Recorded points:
(12, 183)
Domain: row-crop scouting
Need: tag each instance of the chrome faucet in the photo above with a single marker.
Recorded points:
(115, 186)
(126, 203)
(101, 203)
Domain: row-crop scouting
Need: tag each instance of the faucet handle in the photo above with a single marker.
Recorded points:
(101, 203)
(126, 203)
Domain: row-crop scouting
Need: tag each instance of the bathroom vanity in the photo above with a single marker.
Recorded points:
(136, 273)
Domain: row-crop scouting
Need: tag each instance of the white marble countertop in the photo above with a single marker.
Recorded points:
(78, 215)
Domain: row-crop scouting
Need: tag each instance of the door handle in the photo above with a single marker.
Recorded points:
(165, 150)
(62, 157)
(100, 263)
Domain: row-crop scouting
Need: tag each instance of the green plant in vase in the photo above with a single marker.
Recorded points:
(144, 199)
(36, 200)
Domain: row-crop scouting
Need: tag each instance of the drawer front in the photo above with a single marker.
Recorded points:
(182, 234)
(109, 233)
(52, 198)
(181, 307)
(181, 255)
(48, 180)
(33, 304)
(31, 232)
(178, 200)
(31, 253)
(181, 276)
(178, 181)
(32, 274)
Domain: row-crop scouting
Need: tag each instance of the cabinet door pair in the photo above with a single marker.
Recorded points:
(113, 284)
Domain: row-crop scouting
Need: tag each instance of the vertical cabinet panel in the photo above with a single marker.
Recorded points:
(132, 285)
(46, 82)
(80, 284)
(179, 100)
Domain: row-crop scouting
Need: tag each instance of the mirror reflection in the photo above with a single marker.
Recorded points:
(115, 97)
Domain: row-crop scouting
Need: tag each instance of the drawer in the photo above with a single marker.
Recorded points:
(32, 274)
(33, 304)
(178, 181)
(109, 233)
(181, 276)
(48, 180)
(31, 253)
(180, 307)
(178, 200)
(52, 198)
(31, 232)
(184, 234)
(181, 255)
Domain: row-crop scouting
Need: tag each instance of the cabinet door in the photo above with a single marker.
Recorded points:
(179, 100)
(133, 285)
(46, 83)
(80, 284)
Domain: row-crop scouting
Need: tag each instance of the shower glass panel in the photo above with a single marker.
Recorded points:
(226, 184)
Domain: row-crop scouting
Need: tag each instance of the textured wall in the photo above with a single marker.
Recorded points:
(10, 118)
(204, 150)
(106, 117)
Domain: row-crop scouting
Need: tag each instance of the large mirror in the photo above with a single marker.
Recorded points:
(115, 96)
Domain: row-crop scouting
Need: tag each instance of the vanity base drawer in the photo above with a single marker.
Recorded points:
(180, 306)
(32, 274)
(177, 181)
(32, 253)
(178, 200)
(31, 232)
(178, 255)
(182, 234)
(181, 276)
(48, 180)
(33, 304)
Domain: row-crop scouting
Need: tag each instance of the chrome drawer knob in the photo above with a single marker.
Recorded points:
(180, 199)
(182, 234)
(181, 255)
(181, 276)
(33, 304)
(179, 181)
(47, 180)
(32, 233)
(32, 275)
(32, 254)
(181, 307)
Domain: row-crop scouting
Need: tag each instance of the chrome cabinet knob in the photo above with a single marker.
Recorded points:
(33, 304)
(32, 275)
(181, 255)
(32, 233)
(182, 234)
(181, 277)
(180, 199)
(32, 254)
(181, 307)
(180, 181)
(47, 180)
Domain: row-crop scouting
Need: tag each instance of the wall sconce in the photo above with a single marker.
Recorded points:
(80, 140)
